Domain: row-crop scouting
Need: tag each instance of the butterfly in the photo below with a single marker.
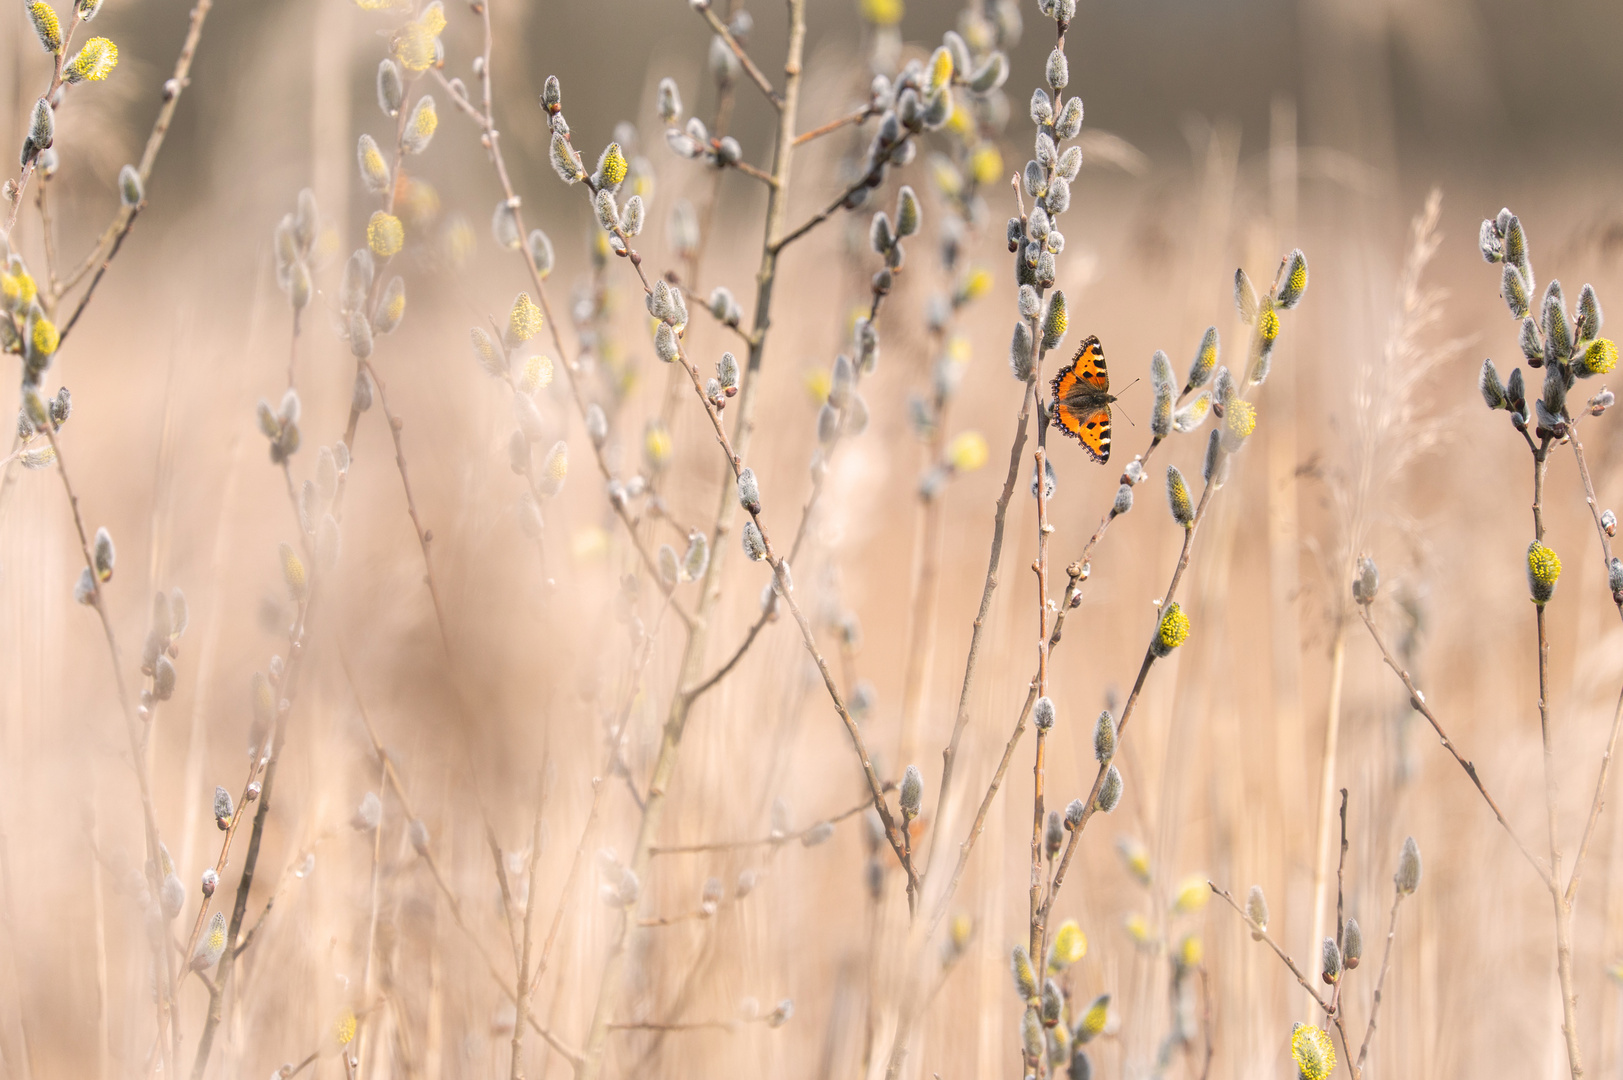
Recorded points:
(1081, 401)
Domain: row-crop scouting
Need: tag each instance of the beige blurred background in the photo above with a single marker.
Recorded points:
(1261, 126)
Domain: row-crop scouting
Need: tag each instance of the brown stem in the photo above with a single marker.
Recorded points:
(1418, 701)
(522, 985)
(1593, 504)
(834, 125)
(693, 653)
(775, 840)
(1262, 935)
(1380, 980)
(757, 76)
(112, 237)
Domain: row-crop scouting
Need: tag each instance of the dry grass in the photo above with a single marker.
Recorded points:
(515, 706)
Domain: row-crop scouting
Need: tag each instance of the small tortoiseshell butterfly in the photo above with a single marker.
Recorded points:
(1081, 400)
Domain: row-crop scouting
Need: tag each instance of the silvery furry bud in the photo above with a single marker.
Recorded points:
(42, 125)
(670, 102)
(130, 189)
(608, 213)
(1256, 909)
(105, 555)
(1493, 391)
(727, 373)
(666, 346)
(391, 87)
(631, 217)
(1513, 288)
(1057, 72)
(754, 545)
(1352, 944)
(907, 212)
(1366, 580)
(1104, 737)
(697, 558)
(1025, 976)
(1124, 500)
(912, 793)
(1294, 282)
(1245, 297)
(1589, 314)
(1043, 714)
(563, 160)
(990, 75)
(541, 252)
(391, 305)
(1048, 486)
(1036, 184)
(1557, 332)
(1042, 108)
(749, 492)
(1110, 790)
(1020, 352)
(360, 335)
(356, 281)
(1407, 878)
(1178, 497)
(1329, 961)
(1055, 321)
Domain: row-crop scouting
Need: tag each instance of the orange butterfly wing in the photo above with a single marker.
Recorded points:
(1081, 400)
(1090, 365)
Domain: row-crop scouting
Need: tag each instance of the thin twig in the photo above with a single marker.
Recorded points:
(1380, 980)
(856, 117)
(1418, 701)
(1261, 935)
(757, 76)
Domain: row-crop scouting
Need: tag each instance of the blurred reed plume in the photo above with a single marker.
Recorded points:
(559, 620)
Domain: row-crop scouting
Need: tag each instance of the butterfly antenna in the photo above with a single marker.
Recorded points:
(1124, 390)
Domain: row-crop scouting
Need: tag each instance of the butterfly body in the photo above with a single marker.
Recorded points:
(1081, 400)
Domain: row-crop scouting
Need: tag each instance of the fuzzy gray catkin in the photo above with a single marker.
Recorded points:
(1104, 737)
(911, 798)
(754, 544)
(1178, 497)
(1407, 878)
(1110, 790)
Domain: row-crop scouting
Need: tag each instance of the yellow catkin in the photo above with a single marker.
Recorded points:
(537, 374)
(94, 61)
(1268, 325)
(968, 451)
(883, 12)
(614, 165)
(1174, 627)
(524, 321)
(46, 25)
(1313, 1052)
(1600, 357)
(986, 164)
(1241, 417)
(976, 284)
(1070, 944)
(45, 336)
(385, 235)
